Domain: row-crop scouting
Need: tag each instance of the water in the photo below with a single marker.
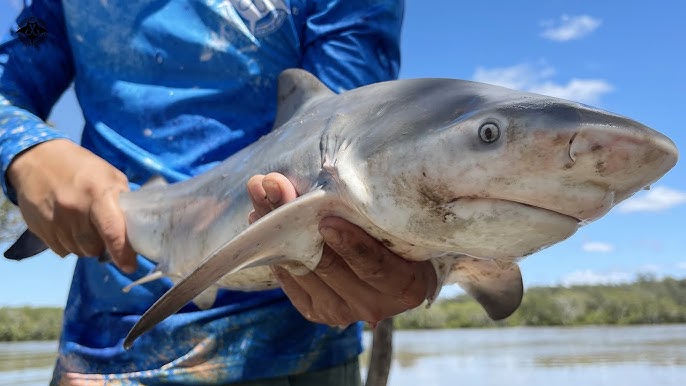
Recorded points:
(588, 356)
(26, 363)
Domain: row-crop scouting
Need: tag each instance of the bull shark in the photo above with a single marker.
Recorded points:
(471, 176)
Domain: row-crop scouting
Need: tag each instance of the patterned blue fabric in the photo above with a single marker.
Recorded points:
(171, 88)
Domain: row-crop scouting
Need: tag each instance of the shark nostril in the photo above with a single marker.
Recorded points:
(570, 152)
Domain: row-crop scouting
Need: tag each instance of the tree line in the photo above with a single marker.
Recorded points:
(28, 323)
(646, 301)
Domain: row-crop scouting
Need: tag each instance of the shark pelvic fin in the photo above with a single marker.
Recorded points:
(292, 228)
(206, 298)
(498, 290)
(296, 87)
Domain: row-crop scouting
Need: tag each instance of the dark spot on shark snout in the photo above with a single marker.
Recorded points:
(560, 139)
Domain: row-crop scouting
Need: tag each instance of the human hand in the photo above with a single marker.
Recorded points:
(68, 197)
(358, 278)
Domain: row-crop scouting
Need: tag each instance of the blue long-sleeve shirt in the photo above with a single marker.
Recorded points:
(171, 88)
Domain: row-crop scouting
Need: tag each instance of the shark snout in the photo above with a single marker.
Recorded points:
(623, 156)
(601, 153)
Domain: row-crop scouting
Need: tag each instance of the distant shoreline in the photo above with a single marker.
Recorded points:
(647, 301)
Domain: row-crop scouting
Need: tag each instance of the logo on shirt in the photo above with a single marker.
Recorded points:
(263, 16)
(32, 31)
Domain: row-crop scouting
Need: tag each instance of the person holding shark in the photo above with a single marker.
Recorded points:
(170, 89)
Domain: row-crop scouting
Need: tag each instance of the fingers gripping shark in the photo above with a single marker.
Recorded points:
(471, 176)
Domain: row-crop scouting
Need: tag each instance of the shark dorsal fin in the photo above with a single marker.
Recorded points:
(296, 88)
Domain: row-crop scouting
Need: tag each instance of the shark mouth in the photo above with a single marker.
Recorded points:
(578, 220)
(582, 215)
(582, 209)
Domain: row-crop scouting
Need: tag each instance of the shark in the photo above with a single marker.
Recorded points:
(471, 176)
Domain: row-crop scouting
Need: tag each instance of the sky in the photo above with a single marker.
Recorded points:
(623, 56)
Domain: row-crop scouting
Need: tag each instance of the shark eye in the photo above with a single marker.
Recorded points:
(489, 132)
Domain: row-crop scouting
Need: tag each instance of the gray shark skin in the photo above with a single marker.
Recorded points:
(471, 176)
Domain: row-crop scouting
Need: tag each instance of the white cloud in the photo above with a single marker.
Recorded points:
(520, 76)
(656, 199)
(569, 27)
(588, 277)
(650, 268)
(581, 90)
(597, 247)
(537, 78)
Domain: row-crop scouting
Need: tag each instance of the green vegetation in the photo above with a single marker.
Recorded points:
(27, 323)
(645, 301)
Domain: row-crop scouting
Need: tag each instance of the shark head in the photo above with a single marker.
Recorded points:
(496, 173)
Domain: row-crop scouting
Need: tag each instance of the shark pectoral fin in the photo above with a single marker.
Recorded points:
(498, 290)
(206, 298)
(27, 245)
(291, 228)
(204, 301)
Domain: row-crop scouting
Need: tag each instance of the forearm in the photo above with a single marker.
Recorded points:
(19, 130)
(31, 80)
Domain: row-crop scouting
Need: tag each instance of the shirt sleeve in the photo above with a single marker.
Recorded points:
(351, 43)
(32, 78)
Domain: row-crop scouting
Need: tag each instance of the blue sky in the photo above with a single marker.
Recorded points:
(623, 56)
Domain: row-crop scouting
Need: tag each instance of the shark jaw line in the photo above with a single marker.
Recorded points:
(579, 221)
(524, 204)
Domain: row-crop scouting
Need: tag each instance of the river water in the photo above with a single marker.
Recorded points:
(26, 363)
(580, 356)
(541, 356)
